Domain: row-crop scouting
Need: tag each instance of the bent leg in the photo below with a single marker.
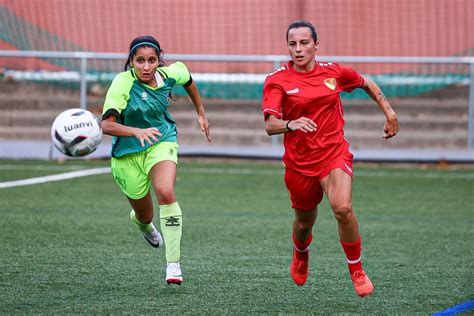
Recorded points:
(303, 224)
(305, 194)
(302, 237)
(143, 208)
(142, 216)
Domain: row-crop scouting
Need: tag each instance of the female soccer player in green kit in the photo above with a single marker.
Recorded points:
(144, 146)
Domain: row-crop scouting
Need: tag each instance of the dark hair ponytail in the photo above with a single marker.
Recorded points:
(144, 41)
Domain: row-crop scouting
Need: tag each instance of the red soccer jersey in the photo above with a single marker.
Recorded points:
(289, 95)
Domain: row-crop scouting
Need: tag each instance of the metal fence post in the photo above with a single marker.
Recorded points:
(470, 118)
(83, 94)
(276, 65)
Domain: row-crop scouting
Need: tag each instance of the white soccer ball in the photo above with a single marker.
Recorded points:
(76, 132)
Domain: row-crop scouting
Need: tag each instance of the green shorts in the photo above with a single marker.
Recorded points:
(131, 171)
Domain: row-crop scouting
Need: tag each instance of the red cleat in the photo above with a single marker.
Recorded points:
(299, 267)
(362, 284)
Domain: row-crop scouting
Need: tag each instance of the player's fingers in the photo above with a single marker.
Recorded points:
(149, 141)
(155, 131)
(207, 131)
(309, 127)
(309, 121)
(303, 129)
(154, 137)
(388, 135)
(312, 123)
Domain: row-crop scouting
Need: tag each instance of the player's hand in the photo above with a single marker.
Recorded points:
(148, 135)
(303, 124)
(391, 127)
(204, 125)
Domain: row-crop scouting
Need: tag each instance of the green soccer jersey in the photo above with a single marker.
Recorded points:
(138, 105)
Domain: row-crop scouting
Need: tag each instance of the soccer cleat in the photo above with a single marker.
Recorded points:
(299, 266)
(153, 237)
(173, 273)
(362, 284)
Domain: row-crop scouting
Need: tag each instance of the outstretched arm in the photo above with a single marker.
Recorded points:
(391, 124)
(195, 96)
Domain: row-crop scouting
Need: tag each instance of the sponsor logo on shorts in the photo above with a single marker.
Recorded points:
(121, 182)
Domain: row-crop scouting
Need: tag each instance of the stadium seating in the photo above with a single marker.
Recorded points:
(436, 121)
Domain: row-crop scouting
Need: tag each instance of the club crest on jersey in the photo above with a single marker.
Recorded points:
(330, 83)
(144, 96)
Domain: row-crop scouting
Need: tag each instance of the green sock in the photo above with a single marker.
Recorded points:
(143, 227)
(171, 227)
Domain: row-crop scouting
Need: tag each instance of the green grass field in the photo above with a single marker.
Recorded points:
(68, 246)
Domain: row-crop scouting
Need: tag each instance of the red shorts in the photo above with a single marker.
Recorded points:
(306, 192)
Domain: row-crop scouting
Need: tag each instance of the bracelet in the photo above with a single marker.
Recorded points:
(291, 130)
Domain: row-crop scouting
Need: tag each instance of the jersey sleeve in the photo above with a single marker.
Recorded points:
(272, 99)
(349, 79)
(118, 94)
(178, 71)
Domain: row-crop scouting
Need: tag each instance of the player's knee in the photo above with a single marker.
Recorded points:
(343, 212)
(165, 195)
(302, 225)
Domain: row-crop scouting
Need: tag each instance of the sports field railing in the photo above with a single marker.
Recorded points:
(81, 72)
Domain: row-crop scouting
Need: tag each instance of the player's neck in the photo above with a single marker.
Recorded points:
(305, 68)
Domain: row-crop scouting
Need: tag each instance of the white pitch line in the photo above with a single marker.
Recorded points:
(43, 167)
(237, 171)
(55, 177)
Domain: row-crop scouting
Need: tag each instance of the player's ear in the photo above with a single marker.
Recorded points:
(316, 45)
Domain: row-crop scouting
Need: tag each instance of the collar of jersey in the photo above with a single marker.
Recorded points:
(315, 69)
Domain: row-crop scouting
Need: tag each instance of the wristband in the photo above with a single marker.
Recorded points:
(291, 130)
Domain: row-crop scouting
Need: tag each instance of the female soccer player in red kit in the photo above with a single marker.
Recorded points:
(301, 99)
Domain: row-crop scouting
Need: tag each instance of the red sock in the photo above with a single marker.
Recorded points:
(353, 254)
(302, 245)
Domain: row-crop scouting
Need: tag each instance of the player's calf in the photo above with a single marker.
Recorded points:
(150, 233)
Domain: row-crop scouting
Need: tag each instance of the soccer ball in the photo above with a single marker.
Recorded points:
(76, 132)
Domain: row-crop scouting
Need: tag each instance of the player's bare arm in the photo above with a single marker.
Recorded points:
(274, 125)
(111, 127)
(391, 126)
(193, 93)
